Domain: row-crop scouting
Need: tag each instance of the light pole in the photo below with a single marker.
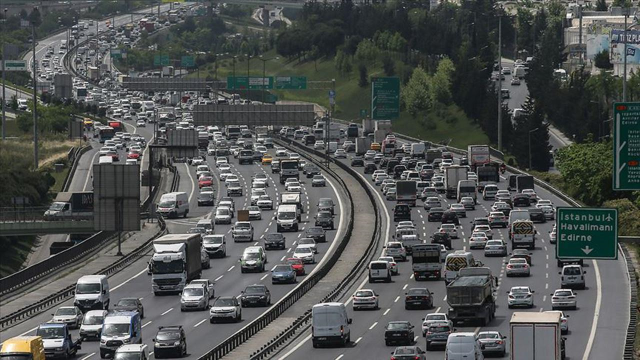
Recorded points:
(248, 79)
(264, 68)
(4, 94)
(530, 132)
(499, 79)
(234, 72)
(35, 95)
(580, 3)
(624, 67)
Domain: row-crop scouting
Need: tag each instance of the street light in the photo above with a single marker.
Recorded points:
(499, 10)
(264, 66)
(624, 67)
(248, 79)
(530, 132)
(4, 94)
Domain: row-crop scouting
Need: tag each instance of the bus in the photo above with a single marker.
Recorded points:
(104, 133)
(117, 126)
(388, 147)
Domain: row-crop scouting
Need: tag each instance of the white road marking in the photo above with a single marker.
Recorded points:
(264, 277)
(198, 324)
(129, 279)
(193, 184)
(544, 298)
(166, 312)
(340, 357)
(372, 326)
(149, 322)
(88, 356)
(231, 268)
(358, 339)
(218, 278)
(596, 314)
(93, 159)
(405, 286)
(397, 298)
(386, 312)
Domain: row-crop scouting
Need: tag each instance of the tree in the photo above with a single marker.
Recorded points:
(364, 76)
(35, 17)
(314, 55)
(367, 52)
(189, 24)
(388, 65)
(601, 5)
(415, 94)
(531, 126)
(441, 82)
(602, 60)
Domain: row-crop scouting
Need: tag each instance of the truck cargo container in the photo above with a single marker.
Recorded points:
(488, 174)
(470, 296)
(536, 336)
(406, 192)
(453, 175)
(478, 155)
(71, 204)
(524, 182)
(426, 261)
(368, 126)
(175, 262)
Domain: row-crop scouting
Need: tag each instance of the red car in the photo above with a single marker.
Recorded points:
(205, 181)
(297, 265)
(133, 155)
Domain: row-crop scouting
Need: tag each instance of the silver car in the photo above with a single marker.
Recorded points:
(495, 248)
(70, 315)
(520, 296)
(518, 267)
(492, 343)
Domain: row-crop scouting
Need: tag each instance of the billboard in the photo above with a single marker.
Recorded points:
(116, 191)
(597, 44)
(617, 46)
(254, 115)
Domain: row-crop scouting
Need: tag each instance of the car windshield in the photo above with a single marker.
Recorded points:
(115, 329)
(404, 351)
(314, 230)
(397, 326)
(222, 211)
(563, 293)
(294, 261)
(572, 271)
(282, 268)
(51, 333)
(325, 202)
(213, 239)
(519, 291)
(436, 317)
(394, 246)
(195, 291)
(168, 335)
(166, 203)
(224, 302)
(274, 236)
(254, 290)
(287, 215)
(243, 226)
(306, 242)
(88, 289)
(323, 214)
(303, 250)
(127, 302)
(65, 311)
(488, 336)
(364, 293)
(418, 292)
(127, 356)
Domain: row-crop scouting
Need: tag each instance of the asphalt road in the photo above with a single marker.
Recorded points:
(597, 328)
(225, 272)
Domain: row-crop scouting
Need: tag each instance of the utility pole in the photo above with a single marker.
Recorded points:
(248, 79)
(530, 132)
(4, 79)
(500, 81)
(580, 3)
(624, 67)
(35, 97)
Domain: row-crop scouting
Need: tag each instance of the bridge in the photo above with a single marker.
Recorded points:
(31, 221)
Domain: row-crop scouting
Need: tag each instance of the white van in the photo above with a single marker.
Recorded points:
(174, 204)
(120, 328)
(333, 146)
(330, 324)
(455, 261)
(92, 324)
(518, 215)
(467, 188)
(287, 218)
(22, 105)
(463, 346)
(92, 293)
(379, 270)
(106, 160)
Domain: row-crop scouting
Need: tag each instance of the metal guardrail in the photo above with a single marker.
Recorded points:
(283, 304)
(74, 158)
(37, 214)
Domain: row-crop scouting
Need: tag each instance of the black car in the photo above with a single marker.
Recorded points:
(357, 161)
(130, 304)
(274, 241)
(324, 219)
(441, 238)
(206, 199)
(398, 332)
(166, 340)
(520, 200)
(420, 298)
(435, 214)
(398, 170)
(480, 221)
(369, 168)
(536, 215)
(316, 233)
(256, 295)
(450, 217)
(311, 171)
(401, 212)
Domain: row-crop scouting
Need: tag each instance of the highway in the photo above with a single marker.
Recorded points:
(597, 328)
(225, 272)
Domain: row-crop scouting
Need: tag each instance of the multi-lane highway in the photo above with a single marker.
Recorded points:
(597, 327)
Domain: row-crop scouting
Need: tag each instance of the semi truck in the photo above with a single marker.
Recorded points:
(362, 145)
(368, 126)
(452, 175)
(289, 169)
(418, 150)
(71, 204)
(478, 155)
(333, 133)
(524, 182)
(352, 131)
(426, 261)
(487, 174)
(175, 262)
(406, 192)
(432, 154)
(523, 234)
(536, 336)
(384, 126)
(470, 296)
(232, 132)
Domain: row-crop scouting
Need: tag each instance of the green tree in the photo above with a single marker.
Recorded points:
(35, 17)
(416, 94)
(602, 60)
(441, 82)
(601, 5)
(364, 76)
(388, 65)
(531, 126)
(367, 52)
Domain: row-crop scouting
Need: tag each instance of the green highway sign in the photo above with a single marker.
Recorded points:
(626, 146)
(586, 233)
(385, 98)
(188, 61)
(14, 65)
(161, 60)
(252, 83)
(116, 53)
(291, 82)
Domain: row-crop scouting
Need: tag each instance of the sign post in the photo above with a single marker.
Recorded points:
(385, 98)
(626, 146)
(587, 233)
(14, 65)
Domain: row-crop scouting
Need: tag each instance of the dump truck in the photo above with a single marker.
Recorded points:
(175, 262)
(470, 296)
(524, 182)
(487, 174)
(406, 192)
(536, 336)
(452, 175)
(71, 205)
(426, 261)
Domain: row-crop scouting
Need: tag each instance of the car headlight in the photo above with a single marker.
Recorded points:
(126, 341)
(176, 343)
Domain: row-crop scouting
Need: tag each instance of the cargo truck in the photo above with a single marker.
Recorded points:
(71, 205)
(368, 126)
(362, 145)
(379, 136)
(352, 131)
(289, 169)
(536, 336)
(418, 150)
(293, 199)
(333, 132)
(384, 126)
(426, 261)
(524, 182)
(487, 174)
(406, 192)
(433, 154)
(452, 175)
(203, 140)
(57, 341)
(175, 262)
(478, 155)
(523, 234)
(470, 296)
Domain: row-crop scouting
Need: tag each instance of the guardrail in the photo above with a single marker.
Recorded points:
(283, 304)
(74, 158)
(37, 214)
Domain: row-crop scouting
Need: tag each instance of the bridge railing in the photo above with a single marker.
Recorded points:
(37, 214)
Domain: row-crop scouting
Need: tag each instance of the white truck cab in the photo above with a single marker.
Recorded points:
(92, 293)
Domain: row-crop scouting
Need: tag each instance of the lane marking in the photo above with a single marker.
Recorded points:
(88, 356)
(386, 312)
(149, 322)
(198, 324)
(596, 314)
(340, 357)
(358, 339)
(218, 278)
(264, 277)
(166, 312)
(372, 326)
(231, 268)
(397, 298)
(129, 279)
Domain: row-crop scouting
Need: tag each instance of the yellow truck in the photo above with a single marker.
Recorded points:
(23, 347)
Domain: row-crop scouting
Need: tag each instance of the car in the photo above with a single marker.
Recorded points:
(478, 240)
(264, 202)
(297, 265)
(548, 211)
(564, 321)
(225, 307)
(498, 218)
(130, 304)
(357, 162)
(263, 178)
(206, 198)
(305, 254)
(521, 254)
(437, 334)
(70, 315)
(420, 298)
(205, 181)
(501, 206)
(459, 209)
(520, 296)
(254, 213)
(318, 180)
(308, 242)
(408, 353)
(365, 299)
(170, 341)
(195, 296)
(396, 250)
(398, 332)
(274, 241)
(369, 155)
(450, 217)
(515, 81)
(531, 193)
(564, 299)
(520, 200)
(283, 274)
(518, 267)
(467, 202)
(435, 318)
(495, 248)
(572, 276)
(375, 146)
(537, 215)
(317, 233)
(442, 238)
(391, 194)
(552, 236)
(450, 229)
(369, 168)
(432, 202)
(435, 214)
(392, 263)
(293, 186)
(318, 145)
(324, 219)
(492, 343)
(223, 215)
(255, 295)
(215, 245)
(267, 159)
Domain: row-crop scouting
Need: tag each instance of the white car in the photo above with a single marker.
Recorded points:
(223, 215)
(254, 213)
(293, 186)
(520, 296)
(531, 193)
(434, 318)
(486, 229)
(319, 145)
(141, 123)
(281, 152)
(450, 229)
(564, 299)
(369, 155)
(365, 299)
(220, 161)
(478, 240)
(305, 254)
(518, 267)
(308, 242)
(261, 177)
(340, 154)
(225, 307)
(392, 262)
(70, 315)
(495, 247)
(396, 250)
(265, 202)
(443, 253)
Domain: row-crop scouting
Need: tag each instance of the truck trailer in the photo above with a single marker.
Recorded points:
(406, 192)
(71, 205)
(536, 336)
(175, 262)
(452, 175)
(426, 261)
(470, 296)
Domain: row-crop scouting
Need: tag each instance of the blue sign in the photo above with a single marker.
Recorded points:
(332, 94)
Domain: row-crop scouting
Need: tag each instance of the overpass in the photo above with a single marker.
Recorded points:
(31, 221)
